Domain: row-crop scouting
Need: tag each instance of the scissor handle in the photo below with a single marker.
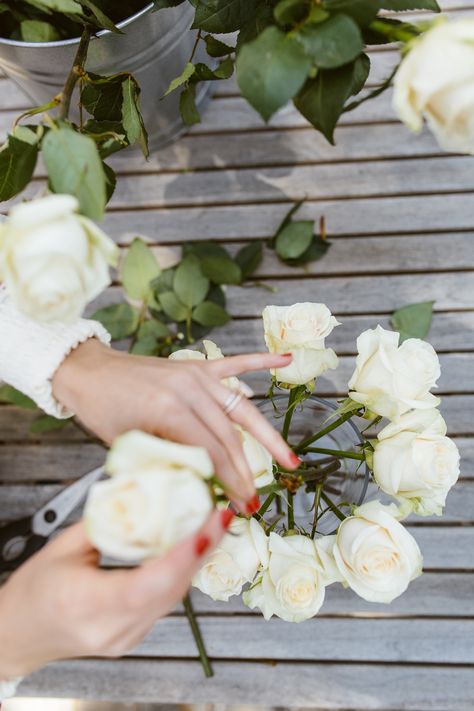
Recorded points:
(17, 543)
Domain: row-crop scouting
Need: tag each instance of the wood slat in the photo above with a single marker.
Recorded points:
(331, 686)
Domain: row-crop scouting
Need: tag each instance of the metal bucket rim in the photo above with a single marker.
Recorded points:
(76, 40)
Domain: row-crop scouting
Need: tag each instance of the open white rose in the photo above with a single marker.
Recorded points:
(414, 461)
(235, 562)
(375, 554)
(155, 497)
(258, 457)
(53, 260)
(390, 379)
(301, 330)
(293, 586)
(436, 81)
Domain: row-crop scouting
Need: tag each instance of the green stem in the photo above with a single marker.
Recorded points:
(206, 664)
(141, 319)
(341, 454)
(337, 423)
(291, 512)
(292, 402)
(198, 37)
(77, 67)
(395, 33)
(266, 504)
(335, 509)
(317, 499)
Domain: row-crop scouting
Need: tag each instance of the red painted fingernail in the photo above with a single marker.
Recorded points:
(202, 544)
(294, 459)
(253, 505)
(286, 355)
(226, 517)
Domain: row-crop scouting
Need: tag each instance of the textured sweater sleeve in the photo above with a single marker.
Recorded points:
(31, 352)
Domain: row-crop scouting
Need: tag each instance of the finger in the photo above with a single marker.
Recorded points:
(72, 541)
(236, 365)
(190, 429)
(251, 419)
(217, 422)
(159, 584)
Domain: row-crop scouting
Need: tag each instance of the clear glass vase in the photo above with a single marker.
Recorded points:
(346, 486)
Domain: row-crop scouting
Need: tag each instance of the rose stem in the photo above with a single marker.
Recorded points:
(77, 66)
(337, 423)
(189, 610)
(292, 402)
(291, 511)
(266, 504)
(317, 499)
(335, 509)
(336, 452)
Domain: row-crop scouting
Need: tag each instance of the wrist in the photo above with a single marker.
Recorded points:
(73, 377)
(11, 668)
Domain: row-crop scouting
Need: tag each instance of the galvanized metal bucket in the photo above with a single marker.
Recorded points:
(155, 47)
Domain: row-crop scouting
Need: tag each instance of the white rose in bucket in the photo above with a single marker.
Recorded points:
(293, 587)
(156, 497)
(436, 81)
(301, 330)
(52, 260)
(258, 457)
(390, 379)
(235, 562)
(414, 461)
(375, 554)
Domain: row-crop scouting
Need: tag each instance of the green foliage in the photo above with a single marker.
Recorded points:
(221, 269)
(161, 4)
(17, 164)
(332, 43)
(131, 115)
(399, 5)
(249, 258)
(217, 48)
(190, 284)
(413, 321)
(295, 241)
(183, 78)
(222, 16)
(47, 423)
(187, 106)
(139, 268)
(208, 313)
(271, 69)
(38, 31)
(120, 320)
(15, 397)
(74, 166)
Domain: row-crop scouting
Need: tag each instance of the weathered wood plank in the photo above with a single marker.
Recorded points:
(22, 500)
(390, 215)
(331, 686)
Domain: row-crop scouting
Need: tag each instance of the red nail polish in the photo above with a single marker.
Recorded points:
(226, 517)
(202, 544)
(253, 505)
(294, 459)
(286, 355)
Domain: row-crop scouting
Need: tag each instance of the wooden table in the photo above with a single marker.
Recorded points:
(400, 215)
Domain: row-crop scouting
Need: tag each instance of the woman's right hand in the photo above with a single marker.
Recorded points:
(59, 604)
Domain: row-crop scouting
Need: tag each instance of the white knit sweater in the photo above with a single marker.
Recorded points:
(31, 352)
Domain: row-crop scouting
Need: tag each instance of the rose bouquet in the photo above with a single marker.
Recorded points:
(283, 558)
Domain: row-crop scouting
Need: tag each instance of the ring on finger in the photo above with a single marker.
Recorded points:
(232, 402)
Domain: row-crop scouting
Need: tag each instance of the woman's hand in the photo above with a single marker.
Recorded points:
(59, 604)
(113, 392)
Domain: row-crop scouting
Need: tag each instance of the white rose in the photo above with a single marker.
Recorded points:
(213, 352)
(258, 458)
(414, 461)
(301, 330)
(293, 586)
(235, 562)
(375, 554)
(155, 498)
(390, 379)
(436, 81)
(53, 260)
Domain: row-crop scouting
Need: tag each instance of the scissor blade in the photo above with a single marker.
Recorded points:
(56, 511)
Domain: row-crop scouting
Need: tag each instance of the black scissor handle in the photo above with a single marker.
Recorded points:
(18, 543)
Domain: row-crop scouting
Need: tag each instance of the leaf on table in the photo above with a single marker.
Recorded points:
(17, 164)
(271, 69)
(47, 423)
(190, 284)
(413, 321)
(249, 258)
(131, 115)
(75, 167)
(153, 328)
(294, 239)
(15, 397)
(120, 320)
(221, 270)
(139, 268)
(173, 307)
(207, 313)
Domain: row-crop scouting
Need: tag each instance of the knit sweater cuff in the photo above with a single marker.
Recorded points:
(8, 688)
(31, 352)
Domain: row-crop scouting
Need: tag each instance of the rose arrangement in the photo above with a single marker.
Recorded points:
(283, 563)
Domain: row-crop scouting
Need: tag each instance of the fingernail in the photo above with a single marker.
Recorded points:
(202, 544)
(294, 459)
(253, 505)
(286, 355)
(226, 517)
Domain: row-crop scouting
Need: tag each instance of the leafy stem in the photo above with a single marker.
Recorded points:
(74, 74)
(336, 453)
(337, 423)
(317, 500)
(193, 623)
(335, 509)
